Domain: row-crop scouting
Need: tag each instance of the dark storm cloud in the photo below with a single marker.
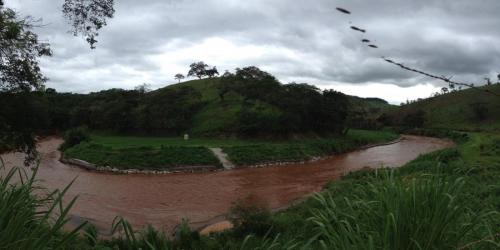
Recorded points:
(150, 41)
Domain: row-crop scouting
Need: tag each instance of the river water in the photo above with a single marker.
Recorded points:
(165, 200)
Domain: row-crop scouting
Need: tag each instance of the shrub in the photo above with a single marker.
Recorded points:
(74, 137)
(250, 218)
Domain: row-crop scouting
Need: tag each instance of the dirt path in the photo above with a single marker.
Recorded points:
(165, 200)
(223, 158)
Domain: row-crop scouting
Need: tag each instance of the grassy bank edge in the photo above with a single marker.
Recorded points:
(475, 161)
(156, 156)
(265, 154)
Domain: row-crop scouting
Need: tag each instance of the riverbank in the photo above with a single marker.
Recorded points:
(468, 174)
(166, 155)
(164, 200)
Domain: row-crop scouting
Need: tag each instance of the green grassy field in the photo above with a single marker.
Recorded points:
(166, 152)
(118, 142)
(143, 158)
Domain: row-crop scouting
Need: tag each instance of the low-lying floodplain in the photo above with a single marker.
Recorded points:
(156, 153)
(446, 198)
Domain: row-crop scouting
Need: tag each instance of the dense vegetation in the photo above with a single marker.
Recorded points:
(469, 109)
(254, 102)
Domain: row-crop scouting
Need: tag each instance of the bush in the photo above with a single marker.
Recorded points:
(250, 218)
(74, 137)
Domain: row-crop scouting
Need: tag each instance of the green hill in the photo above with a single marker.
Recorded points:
(217, 116)
(249, 103)
(470, 110)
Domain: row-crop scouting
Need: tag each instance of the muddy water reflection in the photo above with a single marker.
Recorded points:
(164, 200)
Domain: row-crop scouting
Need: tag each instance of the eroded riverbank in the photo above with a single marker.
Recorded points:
(164, 201)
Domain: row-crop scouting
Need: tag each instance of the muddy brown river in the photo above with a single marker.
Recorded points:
(165, 200)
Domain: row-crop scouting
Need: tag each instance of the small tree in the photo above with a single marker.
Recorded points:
(198, 69)
(179, 77)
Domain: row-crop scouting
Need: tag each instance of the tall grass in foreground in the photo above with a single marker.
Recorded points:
(427, 213)
(149, 239)
(30, 221)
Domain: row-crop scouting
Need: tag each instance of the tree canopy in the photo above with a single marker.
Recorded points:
(87, 17)
(20, 73)
(20, 50)
(198, 69)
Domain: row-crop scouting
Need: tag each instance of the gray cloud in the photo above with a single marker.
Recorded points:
(150, 41)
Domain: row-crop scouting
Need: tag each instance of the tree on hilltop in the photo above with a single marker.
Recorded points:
(212, 72)
(179, 77)
(198, 69)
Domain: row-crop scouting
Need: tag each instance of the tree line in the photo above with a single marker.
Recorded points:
(268, 108)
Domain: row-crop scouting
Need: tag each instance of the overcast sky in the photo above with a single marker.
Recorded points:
(150, 41)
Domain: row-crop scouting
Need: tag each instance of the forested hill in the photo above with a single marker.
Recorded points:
(469, 109)
(250, 102)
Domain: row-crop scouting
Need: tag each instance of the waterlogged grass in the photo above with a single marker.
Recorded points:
(306, 149)
(146, 158)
